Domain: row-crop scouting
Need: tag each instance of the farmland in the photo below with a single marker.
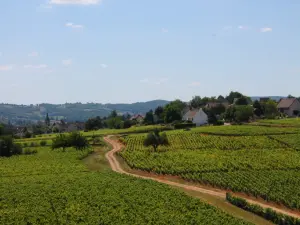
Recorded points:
(55, 187)
(259, 161)
(282, 122)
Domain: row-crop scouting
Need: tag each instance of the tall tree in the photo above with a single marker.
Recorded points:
(258, 110)
(196, 102)
(159, 111)
(149, 119)
(173, 111)
(47, 120)
(233, 95)
(242, 101)
(271, 109)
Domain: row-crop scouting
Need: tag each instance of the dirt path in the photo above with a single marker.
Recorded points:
(115, 166)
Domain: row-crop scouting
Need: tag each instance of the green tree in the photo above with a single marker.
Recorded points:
(173, 111)
(258, 109)
(156, 139)
(8, 147)
(196, 102)
(149, 119)
(159, 111)
(242, 101)
(94, 123)
(270, 109)
(233, 95)
(47, 120)
(243, 113)
(113, 114)
(78, 141)
(114, 122)
(60, 141)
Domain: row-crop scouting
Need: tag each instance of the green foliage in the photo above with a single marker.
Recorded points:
(184, 125)
(196, 102)
(94, 123)
(243, 113)
(8, 147)
(270, 109)
(159, 111)
(114, 122)
(55, 187)
(242, 101)
(238, 113)
(149, 119)
(173, 111)
(75, 139)
(47, 120)
(233, 95)
(255, 164)
(268, 213)
(60, 141)
(43, 143)
(156, 139)
(29, 151)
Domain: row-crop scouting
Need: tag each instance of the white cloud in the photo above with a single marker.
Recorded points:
(164, 30)
(75, 2)
(67, 62)
(104, 66)
(266, 29)
(33, 54)
(195, 84)
(6, 67)
(39, 66)
(74, 26)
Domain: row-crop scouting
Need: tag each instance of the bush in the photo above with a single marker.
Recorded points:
(8, 147)
(268, 214)
(25, 145)
(75, 139)
(43, 143)
(184, 125)
(28, 151)
(32, 144)
(219, 123)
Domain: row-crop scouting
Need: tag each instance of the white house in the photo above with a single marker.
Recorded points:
(197, 116)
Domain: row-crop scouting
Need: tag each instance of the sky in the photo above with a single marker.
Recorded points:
(117, 51)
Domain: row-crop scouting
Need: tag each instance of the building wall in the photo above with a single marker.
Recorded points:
(200, 118)
(294, 106)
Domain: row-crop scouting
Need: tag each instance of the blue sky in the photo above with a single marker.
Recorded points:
(61, 51)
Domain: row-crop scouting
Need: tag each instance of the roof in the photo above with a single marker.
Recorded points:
(136, 117)
(286, 102)
(191, 113)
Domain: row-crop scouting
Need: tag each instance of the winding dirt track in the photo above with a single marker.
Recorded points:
(115, 166)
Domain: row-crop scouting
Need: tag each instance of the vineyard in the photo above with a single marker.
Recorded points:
(265, 166)
(55, 187)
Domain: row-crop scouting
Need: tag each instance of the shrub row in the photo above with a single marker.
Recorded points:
(268, 214)
(184, 125)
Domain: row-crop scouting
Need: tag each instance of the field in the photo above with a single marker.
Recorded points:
(55, 187)
(260, 161)
(293, 122)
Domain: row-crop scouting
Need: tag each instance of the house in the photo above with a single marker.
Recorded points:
(138, 118)
(289, 106)
(197, 116)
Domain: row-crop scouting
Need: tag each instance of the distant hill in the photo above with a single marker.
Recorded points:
(70, 111)
(276, 98)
